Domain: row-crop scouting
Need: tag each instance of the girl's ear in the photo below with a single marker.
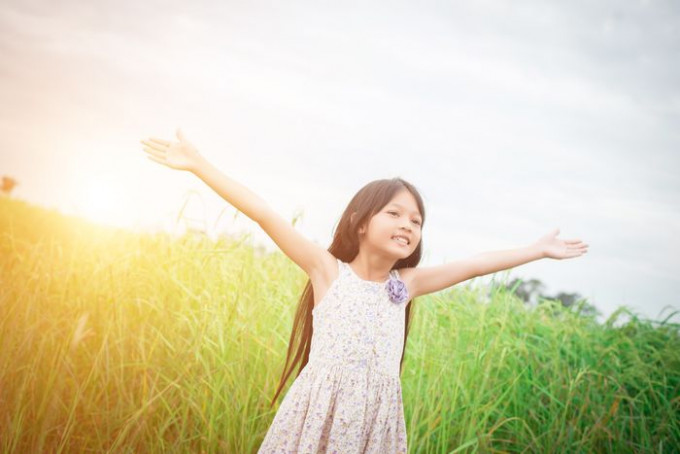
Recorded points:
(362, 229)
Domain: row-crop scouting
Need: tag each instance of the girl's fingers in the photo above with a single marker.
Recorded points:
(153, 158)
(154, 153)
(160, 141)
(155, 145)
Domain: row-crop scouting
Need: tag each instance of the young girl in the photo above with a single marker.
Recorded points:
(353, 315)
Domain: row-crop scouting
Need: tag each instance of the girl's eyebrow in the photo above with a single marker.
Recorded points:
(396, 204)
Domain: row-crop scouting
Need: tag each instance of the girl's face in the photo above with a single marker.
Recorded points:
(400, 217)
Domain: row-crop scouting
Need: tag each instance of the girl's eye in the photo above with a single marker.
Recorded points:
(394, 212)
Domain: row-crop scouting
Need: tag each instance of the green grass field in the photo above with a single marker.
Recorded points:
(112, 341)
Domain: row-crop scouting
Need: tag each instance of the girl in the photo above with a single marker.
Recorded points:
(353, 316)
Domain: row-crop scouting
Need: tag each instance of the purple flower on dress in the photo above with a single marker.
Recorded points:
(396, 289)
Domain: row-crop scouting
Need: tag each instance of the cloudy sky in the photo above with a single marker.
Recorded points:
(511, 118)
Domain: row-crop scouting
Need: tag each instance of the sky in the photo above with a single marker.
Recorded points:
(510, 118)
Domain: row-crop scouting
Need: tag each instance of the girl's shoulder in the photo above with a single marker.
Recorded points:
(325, 274)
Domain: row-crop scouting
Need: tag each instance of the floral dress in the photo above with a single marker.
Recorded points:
(347, 399)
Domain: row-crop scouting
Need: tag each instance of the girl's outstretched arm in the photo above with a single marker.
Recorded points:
(431, 279)
(182, 155)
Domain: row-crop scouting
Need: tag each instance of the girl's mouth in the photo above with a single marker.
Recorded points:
(400, 241)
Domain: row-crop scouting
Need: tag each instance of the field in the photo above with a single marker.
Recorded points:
(113, 341)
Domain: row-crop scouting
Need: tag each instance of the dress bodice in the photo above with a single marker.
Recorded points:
(357, 325)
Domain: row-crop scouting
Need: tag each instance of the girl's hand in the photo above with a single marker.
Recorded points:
(553, 248)
(180, 155)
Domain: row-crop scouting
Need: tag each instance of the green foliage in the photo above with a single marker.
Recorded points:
(112, 341)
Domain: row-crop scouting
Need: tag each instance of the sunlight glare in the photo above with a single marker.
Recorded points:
(102, 201)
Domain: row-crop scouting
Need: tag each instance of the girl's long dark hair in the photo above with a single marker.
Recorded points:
(345, 246)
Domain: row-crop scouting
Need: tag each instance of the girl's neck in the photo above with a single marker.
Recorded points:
(373, 268)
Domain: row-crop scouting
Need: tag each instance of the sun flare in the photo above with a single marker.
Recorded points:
(102, 201)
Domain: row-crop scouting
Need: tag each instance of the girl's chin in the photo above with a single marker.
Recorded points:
(402, 249)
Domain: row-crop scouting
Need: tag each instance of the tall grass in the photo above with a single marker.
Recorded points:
(126, 342)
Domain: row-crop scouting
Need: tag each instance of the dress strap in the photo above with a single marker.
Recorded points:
(341, 266)
(394, 273)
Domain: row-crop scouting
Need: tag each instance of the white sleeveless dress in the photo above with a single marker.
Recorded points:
(347, 399)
